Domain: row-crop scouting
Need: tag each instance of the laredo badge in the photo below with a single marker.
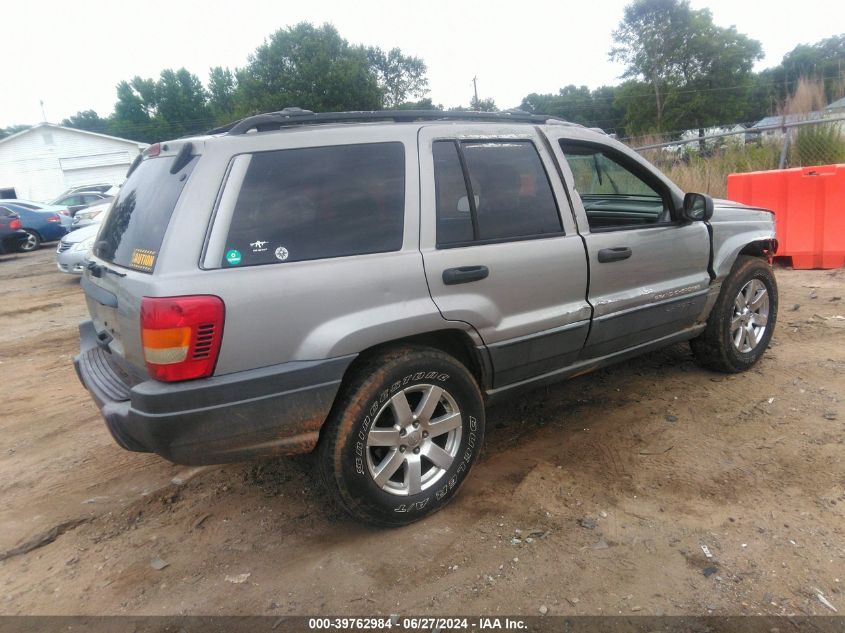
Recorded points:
(143, 259)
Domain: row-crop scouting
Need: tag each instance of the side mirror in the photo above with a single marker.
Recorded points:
(698, 207)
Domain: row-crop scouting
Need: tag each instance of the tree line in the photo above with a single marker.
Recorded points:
(682, 71)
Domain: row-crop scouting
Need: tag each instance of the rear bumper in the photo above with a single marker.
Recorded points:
(51, 232)
(264, 412)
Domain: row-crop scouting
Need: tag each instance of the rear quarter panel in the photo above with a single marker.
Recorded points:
(306, 310)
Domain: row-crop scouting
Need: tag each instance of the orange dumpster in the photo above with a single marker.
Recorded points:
(809, 204)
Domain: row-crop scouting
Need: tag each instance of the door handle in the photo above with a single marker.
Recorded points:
(464, 274)
(614, 254)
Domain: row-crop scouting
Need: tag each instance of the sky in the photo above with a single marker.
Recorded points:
(71, 55)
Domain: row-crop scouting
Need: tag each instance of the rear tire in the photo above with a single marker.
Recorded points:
(742, 321)
(402, 436)
(33, 242)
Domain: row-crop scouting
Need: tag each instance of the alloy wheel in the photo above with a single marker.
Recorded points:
(413, 439)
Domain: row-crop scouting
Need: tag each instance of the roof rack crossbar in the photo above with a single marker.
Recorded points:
(296, 116)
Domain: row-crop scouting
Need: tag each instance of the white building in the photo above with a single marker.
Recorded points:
(43, 161)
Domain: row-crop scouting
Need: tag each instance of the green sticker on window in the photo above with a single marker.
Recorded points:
(233, 257)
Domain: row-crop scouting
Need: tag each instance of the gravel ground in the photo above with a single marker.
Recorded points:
(653, 487)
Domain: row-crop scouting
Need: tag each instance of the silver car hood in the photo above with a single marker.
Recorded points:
(81, 234)
(730, 210)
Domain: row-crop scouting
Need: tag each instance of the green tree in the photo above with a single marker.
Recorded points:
(700, 73)
(636, 100)
(579, 104)
(650, 42)
(12, 129)
(87, 120)
(422, 104)
(309, 67)
(483, 105)
(133, 114)
(176, 104)
(180, 103)
(823, 60)
(221, 94)
(715, 75)
(399, 76)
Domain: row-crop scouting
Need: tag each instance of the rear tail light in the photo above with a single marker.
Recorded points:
(54, 218)
(15, 225)
(181, 335)
(63, 212)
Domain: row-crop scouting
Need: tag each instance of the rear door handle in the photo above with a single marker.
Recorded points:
(464, 274)
(614, 254)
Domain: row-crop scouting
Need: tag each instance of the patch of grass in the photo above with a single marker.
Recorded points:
(822, 144)
(708, 173)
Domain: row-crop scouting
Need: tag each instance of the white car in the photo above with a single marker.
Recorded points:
(92, 214)
(75, 249)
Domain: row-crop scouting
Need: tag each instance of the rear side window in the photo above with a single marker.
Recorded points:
(492, 191)
(318, 202)
(132, 233)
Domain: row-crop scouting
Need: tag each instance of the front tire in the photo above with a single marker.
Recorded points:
(32, 243)
(402, 436)
(742, 321)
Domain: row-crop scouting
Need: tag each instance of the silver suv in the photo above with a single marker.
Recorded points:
(363, 284)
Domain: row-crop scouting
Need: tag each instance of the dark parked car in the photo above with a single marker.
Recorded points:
(40, 226)
(11, 235)
(76, 201)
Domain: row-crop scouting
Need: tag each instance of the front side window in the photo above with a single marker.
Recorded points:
(613, 194)
(319, 202)
(492, 190)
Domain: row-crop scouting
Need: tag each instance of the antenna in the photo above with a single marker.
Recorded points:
(43, 116)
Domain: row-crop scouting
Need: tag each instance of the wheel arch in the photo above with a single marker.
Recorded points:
(453, 341)
(726, 256)
(764, 249)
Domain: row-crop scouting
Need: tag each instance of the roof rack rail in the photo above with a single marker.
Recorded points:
(297, 116)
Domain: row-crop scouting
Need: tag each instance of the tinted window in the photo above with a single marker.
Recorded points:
(319, 202)
(134, 229)
(454, 219)
(5, 213)
(613, 194)
(511, 193)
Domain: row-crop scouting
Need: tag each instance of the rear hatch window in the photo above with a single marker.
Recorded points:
(132, 233)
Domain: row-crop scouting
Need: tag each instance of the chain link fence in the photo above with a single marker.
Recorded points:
(702, 162)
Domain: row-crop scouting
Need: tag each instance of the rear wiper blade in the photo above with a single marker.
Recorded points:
(97, 270)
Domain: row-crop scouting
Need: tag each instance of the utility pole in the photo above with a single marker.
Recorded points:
(475, 91)
(43, 116)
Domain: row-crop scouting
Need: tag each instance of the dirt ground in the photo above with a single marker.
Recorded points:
(594, 496)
